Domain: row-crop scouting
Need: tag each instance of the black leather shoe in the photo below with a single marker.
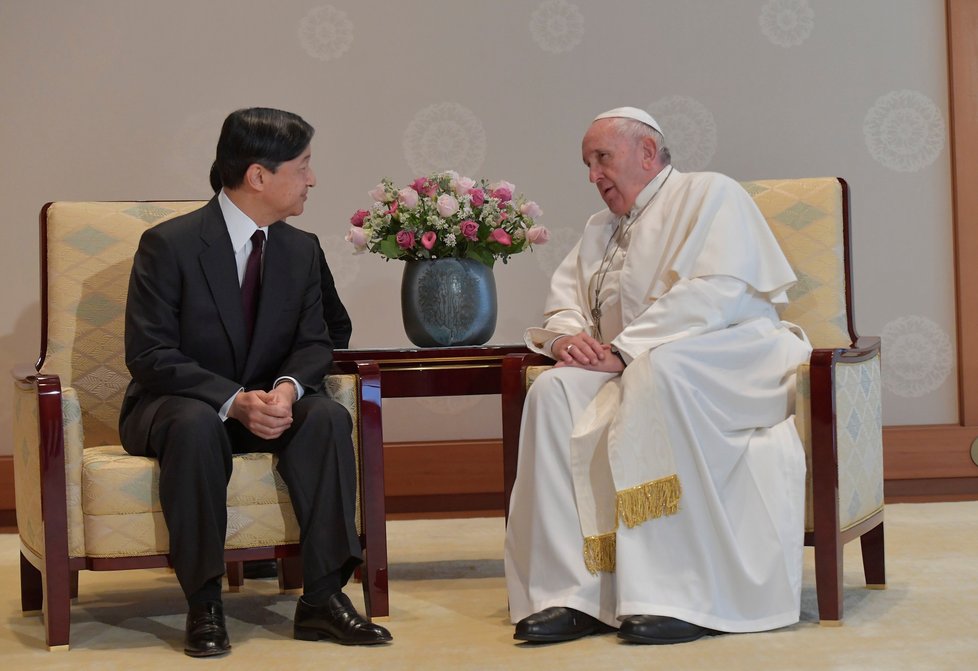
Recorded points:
(556, 624)
(260, 569)
(661, 630)
(336, 620)
(207, 634)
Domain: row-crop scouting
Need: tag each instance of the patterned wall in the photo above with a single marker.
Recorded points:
(109, 100)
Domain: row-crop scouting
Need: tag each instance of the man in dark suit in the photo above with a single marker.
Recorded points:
(339, 327)
(218, 369)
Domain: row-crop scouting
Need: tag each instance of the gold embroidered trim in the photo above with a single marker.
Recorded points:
(648, 501)
(599, 553)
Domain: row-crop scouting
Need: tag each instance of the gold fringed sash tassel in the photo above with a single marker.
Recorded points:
(634, 506)
(599, 553)
(648, 501)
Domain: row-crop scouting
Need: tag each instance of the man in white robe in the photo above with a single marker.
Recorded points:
(660, 486)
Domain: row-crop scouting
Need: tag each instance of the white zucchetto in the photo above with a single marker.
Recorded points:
(631, 113)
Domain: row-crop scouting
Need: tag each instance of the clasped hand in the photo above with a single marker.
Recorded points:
(583, 351)
(267, 414)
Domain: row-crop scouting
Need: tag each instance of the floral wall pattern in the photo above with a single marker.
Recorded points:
(125, 101)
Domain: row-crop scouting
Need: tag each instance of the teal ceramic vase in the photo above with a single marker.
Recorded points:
(448, 302)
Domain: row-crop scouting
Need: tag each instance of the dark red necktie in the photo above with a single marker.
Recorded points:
(251, 284)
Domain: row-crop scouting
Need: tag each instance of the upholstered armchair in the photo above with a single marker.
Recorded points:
(838, 413)
(82, 501)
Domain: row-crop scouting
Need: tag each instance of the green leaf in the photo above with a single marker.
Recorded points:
(482, 255)
(388, 247)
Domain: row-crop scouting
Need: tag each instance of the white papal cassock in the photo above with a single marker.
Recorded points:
(677, 487)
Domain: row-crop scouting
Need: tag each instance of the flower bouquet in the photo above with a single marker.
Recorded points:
(446, 215)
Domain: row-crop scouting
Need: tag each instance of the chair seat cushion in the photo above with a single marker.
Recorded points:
(121, 506)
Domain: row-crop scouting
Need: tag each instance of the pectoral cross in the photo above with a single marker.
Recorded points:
(596, 317)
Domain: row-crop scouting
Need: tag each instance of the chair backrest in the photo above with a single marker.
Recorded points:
(810, 219)
(86, 256)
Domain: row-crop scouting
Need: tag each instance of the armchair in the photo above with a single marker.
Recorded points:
(838, 413)
(82, 501)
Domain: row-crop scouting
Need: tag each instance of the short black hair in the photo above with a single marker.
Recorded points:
(268, 137)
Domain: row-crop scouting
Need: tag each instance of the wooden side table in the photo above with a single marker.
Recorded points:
(436, 371)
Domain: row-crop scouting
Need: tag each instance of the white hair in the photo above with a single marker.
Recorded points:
(638, 131)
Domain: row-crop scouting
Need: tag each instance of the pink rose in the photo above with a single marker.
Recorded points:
(358, 217)
(405, 239)
(408, 197)
(502, 194)
(537, 235)
(378, 193)
(428, 239)
(531, 209)
(425, 186)
(502, 237)
(462, 185)
(447, 205)
(357, 238)
(503, 184)
(478, 197)
(470, 229)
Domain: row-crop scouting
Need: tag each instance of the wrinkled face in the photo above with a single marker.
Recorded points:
(286, 189)
(616, 165)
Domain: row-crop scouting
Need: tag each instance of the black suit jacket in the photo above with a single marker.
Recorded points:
(337, 318)
(185, 328)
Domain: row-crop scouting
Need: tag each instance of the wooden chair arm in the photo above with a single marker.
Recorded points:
(51, 475)
(865, 347)
(373, 508)
(25, 375)
(371, 431)
(513, 391)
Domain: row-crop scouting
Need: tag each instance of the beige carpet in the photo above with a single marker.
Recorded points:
(448, 611)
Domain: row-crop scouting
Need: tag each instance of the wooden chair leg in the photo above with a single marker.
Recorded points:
(375, 588)
(31, 589)
(57, 602)
(235, 575)
(73, 585)
(874, 562)
(373, 571)
(828, 579)
(290, 574)
(373, 510)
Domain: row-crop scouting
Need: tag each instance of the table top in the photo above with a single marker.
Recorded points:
(436, 371)
(429, 353)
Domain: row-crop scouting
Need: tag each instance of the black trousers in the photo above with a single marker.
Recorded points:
(315, 459)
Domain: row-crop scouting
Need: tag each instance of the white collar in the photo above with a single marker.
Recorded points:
(652, 188)
(240, 226)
